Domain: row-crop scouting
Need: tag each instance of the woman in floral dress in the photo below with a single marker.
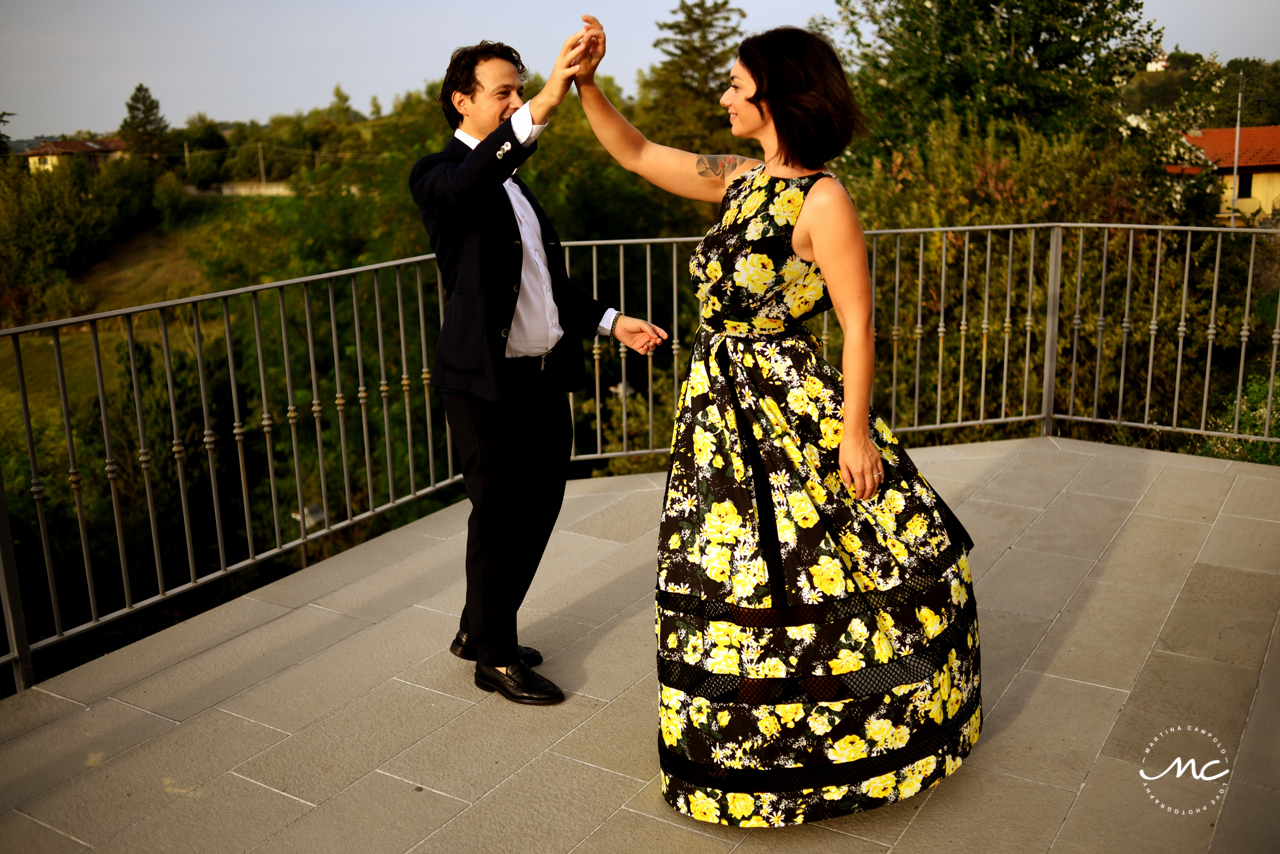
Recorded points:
(817, 632)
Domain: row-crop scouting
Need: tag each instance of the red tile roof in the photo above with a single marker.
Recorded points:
(76, 146)
(1259, 146)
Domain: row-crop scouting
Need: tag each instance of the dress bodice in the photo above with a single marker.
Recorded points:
(749, 278)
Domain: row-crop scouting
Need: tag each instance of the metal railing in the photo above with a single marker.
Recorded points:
(974, 324)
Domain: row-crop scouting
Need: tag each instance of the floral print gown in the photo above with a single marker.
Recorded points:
(818, 654)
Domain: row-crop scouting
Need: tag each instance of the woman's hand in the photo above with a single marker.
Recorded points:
(640, 335)
(861, 467)
(594, 40)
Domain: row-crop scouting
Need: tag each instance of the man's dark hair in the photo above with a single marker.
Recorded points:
(461, 76)
(799, 76)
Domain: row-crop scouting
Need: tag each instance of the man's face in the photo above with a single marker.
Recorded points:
(496, 99)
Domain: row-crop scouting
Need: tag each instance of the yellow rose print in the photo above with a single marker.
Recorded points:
(834, 793)
(832, 433)
(880, 787)
(786, 206)
(880, 730)
(847, 661)
(722, 718)
(815, 490)
(786, 531)
(674, 542)
(894, 501)
(741, 804)
(730, 215)
(790, 713)
(769, 726)
(716, 562)
(802, 510)
(736, 327)
(714, 271)
(704, 445)
(828, 576)
(723, 524)
(801, 633)
(848, 749)
(883, 647)
(751, 205)
(755, 229)
(703, 808)
(958, 594)
(932, 623)
(754, 821)
(794, 270)
(723, 660)
(909, 786)
(798, 402)
(819, 723)
(857, 631)
(755, 273)
(767, 325)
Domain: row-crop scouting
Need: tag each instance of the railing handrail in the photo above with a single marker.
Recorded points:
(630, 241)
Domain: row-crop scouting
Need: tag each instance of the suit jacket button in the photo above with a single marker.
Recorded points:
(516, 289)
(506, 332)
(517, 243)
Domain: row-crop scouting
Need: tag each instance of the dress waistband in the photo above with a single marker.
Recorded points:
(756, 327)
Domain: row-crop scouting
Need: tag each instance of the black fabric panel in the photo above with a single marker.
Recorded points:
(816, 776)
(876, 679)
(803, 615)
(766, 521)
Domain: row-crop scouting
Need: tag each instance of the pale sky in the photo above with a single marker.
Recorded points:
(72, 64)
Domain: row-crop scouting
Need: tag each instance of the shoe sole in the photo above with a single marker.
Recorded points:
(527, 701)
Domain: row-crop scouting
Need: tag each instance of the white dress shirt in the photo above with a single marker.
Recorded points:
(535, 328)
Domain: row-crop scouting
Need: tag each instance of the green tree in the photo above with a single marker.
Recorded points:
(4, 137)
(678, 104)
(1263, 80)
(1053, 65)
(144, 129)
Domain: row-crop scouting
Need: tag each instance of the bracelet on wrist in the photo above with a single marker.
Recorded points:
(613, 327)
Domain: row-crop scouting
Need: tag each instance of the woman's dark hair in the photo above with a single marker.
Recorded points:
(799, 76)
(461, 76)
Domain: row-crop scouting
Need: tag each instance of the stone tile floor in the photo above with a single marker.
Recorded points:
(1121, 592)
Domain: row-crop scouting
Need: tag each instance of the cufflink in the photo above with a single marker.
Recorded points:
(506, 146)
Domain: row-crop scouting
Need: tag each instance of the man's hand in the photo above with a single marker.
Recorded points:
(594, 41)
(560, 80)
(640, 335)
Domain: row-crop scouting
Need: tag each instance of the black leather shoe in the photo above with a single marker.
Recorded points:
(465, 649)
(519, 684)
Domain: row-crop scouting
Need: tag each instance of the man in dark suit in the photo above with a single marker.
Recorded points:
(510, 347)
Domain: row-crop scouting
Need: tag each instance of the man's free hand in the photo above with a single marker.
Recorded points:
(561, 78)
(640, 335)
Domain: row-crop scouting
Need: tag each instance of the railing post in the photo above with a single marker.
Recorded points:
(11, 599)
(1051, 331)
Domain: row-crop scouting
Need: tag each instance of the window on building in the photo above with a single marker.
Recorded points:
(44, 161)
(1245, 187)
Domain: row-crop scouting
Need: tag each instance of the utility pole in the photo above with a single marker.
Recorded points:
(1235, 168)
(186, 152)
(262, 166)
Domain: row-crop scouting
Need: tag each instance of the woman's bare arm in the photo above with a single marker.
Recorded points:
(828, 230)
(694, 176)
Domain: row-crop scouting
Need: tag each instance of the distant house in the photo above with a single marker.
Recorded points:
(1259, 165)
(50, 153)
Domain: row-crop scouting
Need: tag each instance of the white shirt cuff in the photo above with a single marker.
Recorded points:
(523, 127)
(606, 322)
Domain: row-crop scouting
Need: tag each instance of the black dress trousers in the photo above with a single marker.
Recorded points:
(515, 461)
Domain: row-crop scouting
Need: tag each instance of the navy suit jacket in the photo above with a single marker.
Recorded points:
(474, 234)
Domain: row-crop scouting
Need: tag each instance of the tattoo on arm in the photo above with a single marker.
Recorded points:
(718, 165)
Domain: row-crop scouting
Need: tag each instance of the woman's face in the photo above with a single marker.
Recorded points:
(745, 118)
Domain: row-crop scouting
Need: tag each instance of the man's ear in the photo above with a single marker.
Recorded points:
(462, 102)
